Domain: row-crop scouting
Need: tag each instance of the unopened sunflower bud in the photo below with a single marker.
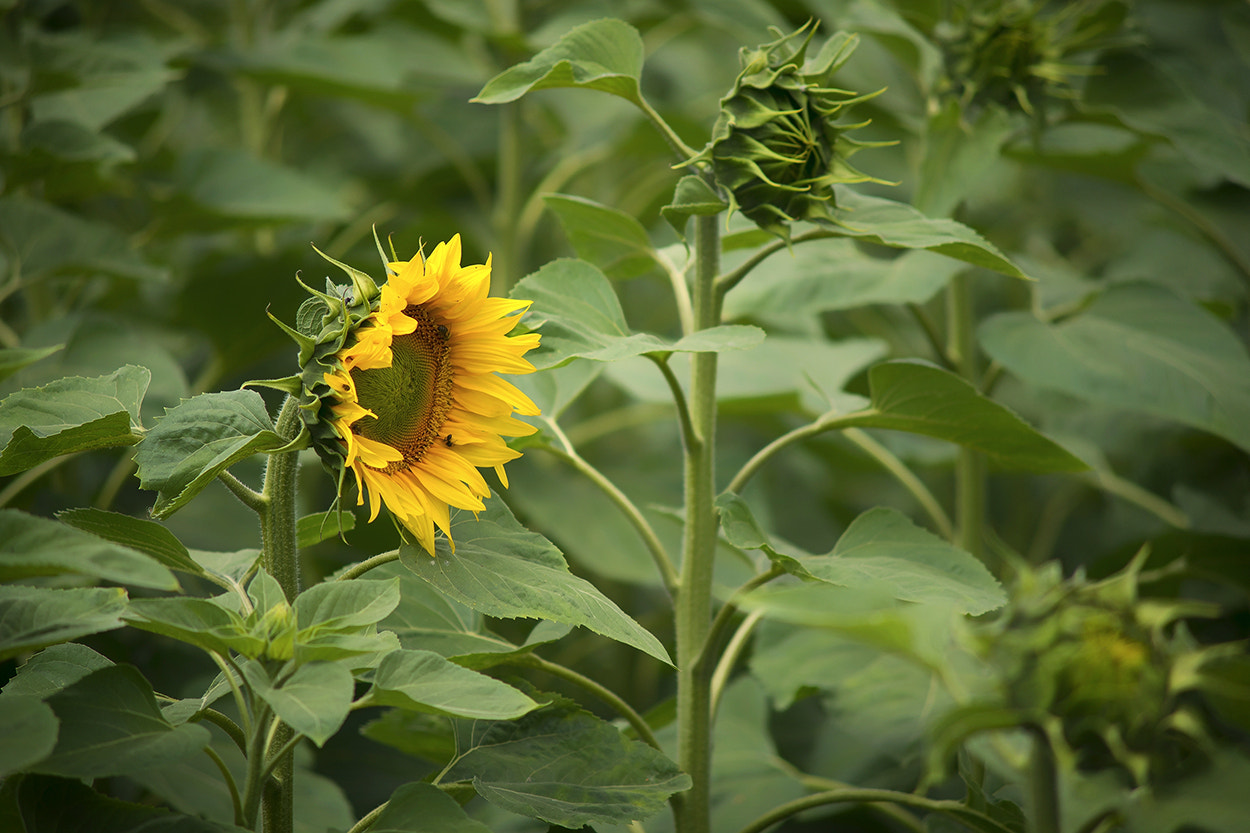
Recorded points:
(776, 150)
(278, 627)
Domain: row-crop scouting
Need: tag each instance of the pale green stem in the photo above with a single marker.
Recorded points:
(952, 809)
(280, 557)
(248, 496)
(694, 599)
(969, 466)
(906, 477)
(236, 801)
(17, 484)
(508, 193)
(668, 573)
(730, 279)
(114, 482)
(679, 397)
(683, 150)
(369, 818)
(1130, 491)
(632, 717)
(1043, 785)
(729, 658)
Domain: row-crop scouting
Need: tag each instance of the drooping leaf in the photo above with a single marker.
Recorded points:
(900, 226)
(13, 359)
(111, 725)
(883, 548)
(147, 537)
(741, 529)
(692, 197)
(921, 398)
(502, 569)
(602, 55)
(28, 729)
(1136, 347)
(62, 805)
(70, 415)
(565, 766)
(313, 701)
(611, 239)
(198, 440)
(34, 546)
(424, 808)
(424, 681)
(32, 617)
(581, 317)
(322, 526)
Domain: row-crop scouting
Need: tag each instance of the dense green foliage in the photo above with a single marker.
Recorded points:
(922, 505)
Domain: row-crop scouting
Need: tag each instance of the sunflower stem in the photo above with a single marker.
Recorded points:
(969, 466)
(694, 598)
(280, 558)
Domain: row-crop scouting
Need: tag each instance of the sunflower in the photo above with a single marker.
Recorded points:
(410, 392)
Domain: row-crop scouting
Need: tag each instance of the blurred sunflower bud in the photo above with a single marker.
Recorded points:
(277, 627)
(776, 149)
(1106, 665)
(1022, 52)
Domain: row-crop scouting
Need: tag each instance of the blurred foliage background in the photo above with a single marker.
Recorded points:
(165, 166)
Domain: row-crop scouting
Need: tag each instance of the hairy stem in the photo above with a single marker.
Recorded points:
(694, 599)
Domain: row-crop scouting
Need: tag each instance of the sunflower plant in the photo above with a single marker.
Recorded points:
(777, 494)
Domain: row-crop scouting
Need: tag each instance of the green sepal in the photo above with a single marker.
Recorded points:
(291, 384)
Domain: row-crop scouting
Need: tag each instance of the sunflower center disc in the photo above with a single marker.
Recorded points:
(412, 397)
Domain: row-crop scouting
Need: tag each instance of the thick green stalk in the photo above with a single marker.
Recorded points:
(1043, 785)
(970, 466)
(280, 558)
(694, 596)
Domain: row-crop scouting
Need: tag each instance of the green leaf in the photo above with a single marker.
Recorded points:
(47, 240)
(55, 668)
(199, 622)
(322, 526)
(693, 197)
(58, 805)
(313, 701)
(32, 617)
(147, 537)
(13, 359)
(233, 184)
(602, 55)
(502, 569)
(424, 808)
(111, 725)
(577, 307)
(71, 415)
(741, 529)
(900, 226)
(567, 767)
(340, 605)
(611, 239)
(883, 549)
(28, 729)
(826, 275)
(34, 546)
(424, 681)
(1136, 347)
(920, 398)
(200, 439)
(957, 155)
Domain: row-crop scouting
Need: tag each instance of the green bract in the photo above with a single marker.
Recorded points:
(775, 148)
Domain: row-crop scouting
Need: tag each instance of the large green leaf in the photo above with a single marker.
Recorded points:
(71, 415)
(13, 359)
(345, 605)
(55, 668)
(900, 226)
(112, 725)
(28, 729)
(502, 569)
(1136, 347)
(32, 617)
(424, 681)
(200, 439)
(47, 240)
(231, 183)
(424, 808)
(32, 546)
(825, 275)
(565, 766)
(581, 317)
(611, 239)
(147, 537)
(199, 622)
(61, 805)
(957, 155)
(602, 55)
(883, 549)
(314, 700)
(921, 398)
